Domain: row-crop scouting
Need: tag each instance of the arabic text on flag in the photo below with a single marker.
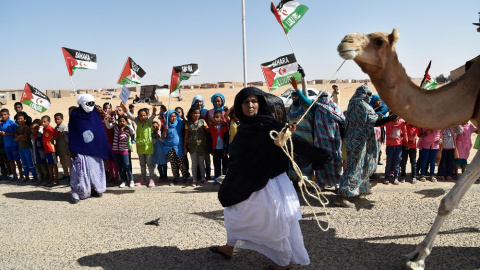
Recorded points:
(131, 73)
(34, 98)
(279, 71)
(182, 73)
(75, 59)
(288, 13)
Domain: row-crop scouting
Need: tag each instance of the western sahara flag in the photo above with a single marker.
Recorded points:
(35, 99)
(288, 13)
(428, 83)
(279, 71)
(131, 73)
(78, 60)
(182, 73)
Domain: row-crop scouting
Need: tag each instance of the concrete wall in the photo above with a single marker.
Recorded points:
(456, 73)
(59, 93)
(12, 95)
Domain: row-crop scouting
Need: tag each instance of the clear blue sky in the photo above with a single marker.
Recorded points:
(160, 34)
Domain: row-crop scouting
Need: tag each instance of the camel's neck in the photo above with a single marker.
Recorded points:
(441, 108)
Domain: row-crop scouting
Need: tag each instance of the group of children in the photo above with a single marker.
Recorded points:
(33, 152)
(32, 147)
(449, 148)
(169, 139)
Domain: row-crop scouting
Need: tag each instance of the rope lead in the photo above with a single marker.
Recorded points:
(284, 140)
(281, 140)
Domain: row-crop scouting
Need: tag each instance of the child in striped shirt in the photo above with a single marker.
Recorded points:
(121, 135)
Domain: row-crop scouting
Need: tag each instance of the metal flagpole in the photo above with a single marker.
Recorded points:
(289, 42)
(168, 108)
(169, 96)
(304, 90)
(111, 98)
(244, 46)
(74, 91)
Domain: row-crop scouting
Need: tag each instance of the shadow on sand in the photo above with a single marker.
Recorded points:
(325, 249)
(431, 193)
(55, 196)
(40, 195)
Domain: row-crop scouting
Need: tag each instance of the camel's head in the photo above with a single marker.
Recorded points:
(371, 52)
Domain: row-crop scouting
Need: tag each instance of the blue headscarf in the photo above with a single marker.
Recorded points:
(223, 102)
(170, 125)
(383, 108)
(203, 111)
(363, 93)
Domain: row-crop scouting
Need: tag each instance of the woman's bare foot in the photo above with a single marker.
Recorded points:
(278, 267)
(226, 249)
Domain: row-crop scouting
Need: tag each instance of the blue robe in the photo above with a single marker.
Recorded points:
(360, 143)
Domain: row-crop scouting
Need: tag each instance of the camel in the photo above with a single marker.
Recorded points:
(447, 106)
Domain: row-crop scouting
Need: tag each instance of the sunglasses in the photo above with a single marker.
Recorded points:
(90, 103)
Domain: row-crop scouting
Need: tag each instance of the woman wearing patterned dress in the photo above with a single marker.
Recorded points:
(361, 145)
(328, 119)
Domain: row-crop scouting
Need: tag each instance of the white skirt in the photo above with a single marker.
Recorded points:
(267, 222)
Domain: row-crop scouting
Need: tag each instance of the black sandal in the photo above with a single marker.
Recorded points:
(217, 251)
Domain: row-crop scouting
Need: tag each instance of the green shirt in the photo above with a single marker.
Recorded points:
(25, 131)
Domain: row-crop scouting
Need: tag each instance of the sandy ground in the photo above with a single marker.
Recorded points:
(40, 229)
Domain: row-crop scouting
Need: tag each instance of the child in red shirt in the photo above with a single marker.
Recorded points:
(48, 134)
(409, 149)
(396, 134)
(220, 137)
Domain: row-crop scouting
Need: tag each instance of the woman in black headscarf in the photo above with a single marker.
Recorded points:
(262, 207)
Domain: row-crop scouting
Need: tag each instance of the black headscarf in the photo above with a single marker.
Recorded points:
(254, 157)
(264, 115)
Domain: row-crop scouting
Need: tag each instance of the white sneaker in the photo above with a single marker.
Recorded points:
(122, 185)
(132, 184)
(172, 184)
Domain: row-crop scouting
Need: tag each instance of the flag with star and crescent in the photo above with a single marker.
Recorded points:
(75, 59)
(288, 13)
(131, 73)
(34, 98)
(182, 73)
(279, 71)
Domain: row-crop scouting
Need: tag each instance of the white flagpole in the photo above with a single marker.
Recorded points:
(74, 91)
(168, 108)
(169, 96)
(244, 46)
(111, 98)
(289, 42)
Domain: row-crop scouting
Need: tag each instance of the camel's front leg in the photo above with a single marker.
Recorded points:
(447, 205)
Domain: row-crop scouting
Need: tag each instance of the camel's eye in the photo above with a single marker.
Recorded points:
(379, 42)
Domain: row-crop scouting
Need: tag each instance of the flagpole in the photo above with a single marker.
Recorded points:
(168, 107)
(111, 98)
(74, 91)
(426, 72)
(244, 46)
(289, 42)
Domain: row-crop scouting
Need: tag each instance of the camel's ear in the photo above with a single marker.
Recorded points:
(394, 36)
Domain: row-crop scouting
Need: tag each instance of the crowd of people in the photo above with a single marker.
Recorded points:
(353, 138)
(30, 149)
(338, 149)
